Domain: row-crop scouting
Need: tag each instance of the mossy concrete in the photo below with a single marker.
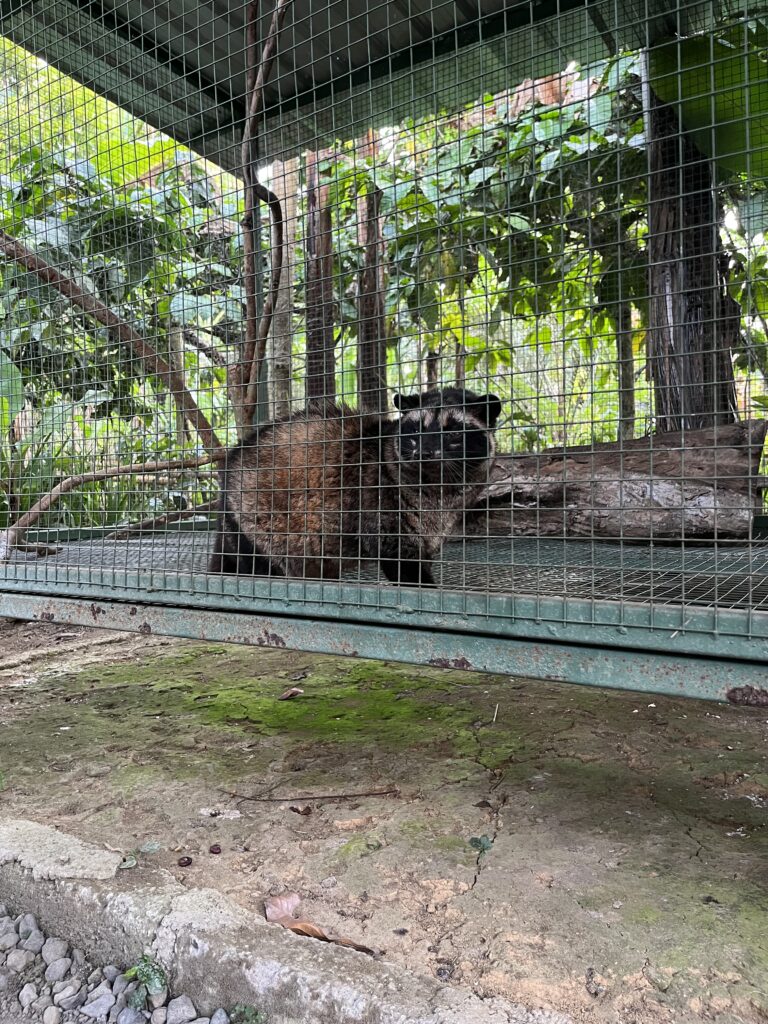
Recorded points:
(516, 838)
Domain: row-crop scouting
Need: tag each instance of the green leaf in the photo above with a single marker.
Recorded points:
(481, 843)
(599, 110)
(753, 213)
(188, 308)
(11, 394)
(721, 94)
(518, 223)
(481, 174)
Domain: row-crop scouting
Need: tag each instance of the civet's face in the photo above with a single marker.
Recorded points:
(445, 436)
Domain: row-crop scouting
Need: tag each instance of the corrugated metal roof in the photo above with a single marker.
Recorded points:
(179, 64)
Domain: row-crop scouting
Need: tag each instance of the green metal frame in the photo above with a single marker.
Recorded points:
(648, 671)
(698, 652)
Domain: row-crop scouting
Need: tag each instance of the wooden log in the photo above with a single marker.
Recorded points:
(672, 486)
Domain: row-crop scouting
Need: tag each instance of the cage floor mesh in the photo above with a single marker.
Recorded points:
(725, 576)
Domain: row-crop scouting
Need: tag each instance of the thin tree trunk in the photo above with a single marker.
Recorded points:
(461, 365)
(372, 328)
(281, 337)
(693, 322)
(431, 367)
(626, 366)
(321, 364)
(176, 360)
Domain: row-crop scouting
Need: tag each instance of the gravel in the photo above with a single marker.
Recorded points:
(45, 982)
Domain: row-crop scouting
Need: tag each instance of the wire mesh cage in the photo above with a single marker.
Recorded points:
(429, 331)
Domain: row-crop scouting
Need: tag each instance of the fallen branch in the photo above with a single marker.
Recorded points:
(13, 537)
(392, 791)
(257, 329)
(38, 549)
(153, 522)
(173, 379)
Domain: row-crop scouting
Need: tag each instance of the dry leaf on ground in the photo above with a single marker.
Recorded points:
(280, 909)
(293, 691)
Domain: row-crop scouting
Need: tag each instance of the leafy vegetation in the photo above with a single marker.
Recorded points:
(242, 1013)
(514, 240)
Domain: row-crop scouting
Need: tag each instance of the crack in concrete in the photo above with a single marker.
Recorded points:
(495, 779)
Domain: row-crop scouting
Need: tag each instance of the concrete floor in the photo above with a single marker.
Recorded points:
(586, 851)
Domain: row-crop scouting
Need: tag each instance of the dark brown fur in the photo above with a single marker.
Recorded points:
(319, 492)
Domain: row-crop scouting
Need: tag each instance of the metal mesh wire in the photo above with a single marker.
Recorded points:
(562, 210)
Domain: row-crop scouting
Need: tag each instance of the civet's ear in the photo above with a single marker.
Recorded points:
(487, 407)
(494, 410)
(405, 402)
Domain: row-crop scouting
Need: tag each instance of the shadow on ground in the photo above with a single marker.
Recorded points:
(599, 853)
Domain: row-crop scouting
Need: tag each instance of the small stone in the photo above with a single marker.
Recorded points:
(5, 979)
(34, 942)
(100, 1002)
(52, 1015)
(159, 1015)
(78, 958)
(69, 1000)
(58, 970)
(184, 862)
(3, 910)
(119, 985)
(158, 999)
(202, 1020)
(19, 959)
(54, 949)
(42, 1003)
(330, 882)
(120, 1004)
(28, 995)
(219, 1017)
(94, 977)
(130, 1016)
(27, 925)
(59, 986)
(8, 940)
(111, 972)
(657, 978)
(181, 1011)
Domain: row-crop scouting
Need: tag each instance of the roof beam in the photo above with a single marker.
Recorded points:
(64, 35)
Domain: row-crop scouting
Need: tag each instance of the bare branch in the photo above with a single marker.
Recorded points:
(252, 356)
(13, 537)
(193, 339)
(153, 522)
(174, 380)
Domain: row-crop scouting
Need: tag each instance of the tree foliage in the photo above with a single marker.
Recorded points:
(514, 234)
